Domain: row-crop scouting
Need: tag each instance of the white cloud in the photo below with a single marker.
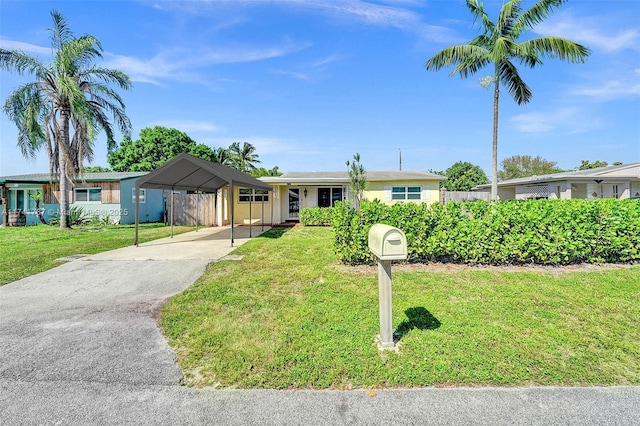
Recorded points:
(25, 47)
(611, 89)
(183, 64)
(571, 120)
(591, 33)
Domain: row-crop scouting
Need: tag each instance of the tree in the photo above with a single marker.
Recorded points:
(243, 157)
(519, 166)
(586, 164)
(498, 45)
(222, 156)
(357, 180)
(261, 171)
(96, 169)
(69, 94)
(463, 176)
(155, 147)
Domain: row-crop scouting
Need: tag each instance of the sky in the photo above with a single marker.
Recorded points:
(312, 82)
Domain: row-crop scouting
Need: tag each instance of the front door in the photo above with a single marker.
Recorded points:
(294, 203)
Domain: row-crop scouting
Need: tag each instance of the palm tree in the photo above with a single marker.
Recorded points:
(222, 156)
(68, 94)
(243, 157)
(498, 45)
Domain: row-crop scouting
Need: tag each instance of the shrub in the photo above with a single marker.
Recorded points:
(550, 232)
(316, 216)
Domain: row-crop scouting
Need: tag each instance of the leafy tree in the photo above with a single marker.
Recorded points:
(261, 171)
(498, 45)
(519, 166)
(243, 157)
(70, 94)
(155, 147)
(96, 169)
(586, 164)
(463, 176)
(357, 180)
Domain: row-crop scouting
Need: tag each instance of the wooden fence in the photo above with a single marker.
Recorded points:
(189, 207)
(446, 196)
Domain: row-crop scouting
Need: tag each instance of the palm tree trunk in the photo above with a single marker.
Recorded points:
(62, 139)
(494, 158)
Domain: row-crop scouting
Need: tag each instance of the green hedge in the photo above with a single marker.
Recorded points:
(549, 232)
(316, 216)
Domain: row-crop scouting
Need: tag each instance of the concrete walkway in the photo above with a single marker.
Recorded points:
(80, 345)
(204, 244)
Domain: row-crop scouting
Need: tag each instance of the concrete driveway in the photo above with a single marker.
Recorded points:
(79, 345)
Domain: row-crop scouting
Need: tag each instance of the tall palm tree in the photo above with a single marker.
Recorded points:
(243, 157)
(498, 45)
(69, 94)
(222, 156)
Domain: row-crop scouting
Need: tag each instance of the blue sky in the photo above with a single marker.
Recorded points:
(311, 82)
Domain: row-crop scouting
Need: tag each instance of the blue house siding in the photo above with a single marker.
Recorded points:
(150, 211)
(121, 208)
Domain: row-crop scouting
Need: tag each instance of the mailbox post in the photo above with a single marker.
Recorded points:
(386, 243)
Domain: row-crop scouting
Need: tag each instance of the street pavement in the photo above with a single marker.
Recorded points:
(80, 345)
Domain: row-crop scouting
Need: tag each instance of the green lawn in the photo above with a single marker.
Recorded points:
(28, 250)
(285, 316)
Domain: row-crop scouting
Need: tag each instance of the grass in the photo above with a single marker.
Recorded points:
(29, 250)
(286, 316)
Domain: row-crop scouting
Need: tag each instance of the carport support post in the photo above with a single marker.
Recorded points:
(171, 212)
(250, 216)
(136, 210)
(384, 295)
(232, 209)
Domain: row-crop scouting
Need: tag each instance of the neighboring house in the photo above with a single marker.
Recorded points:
(99, 194)
(296, 190)
(621, 181)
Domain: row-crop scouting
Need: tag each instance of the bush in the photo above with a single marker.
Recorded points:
(551, 232)
(77, 216)
(316, 216)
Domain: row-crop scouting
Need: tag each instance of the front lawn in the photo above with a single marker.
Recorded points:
(28, 250)
(285, 316)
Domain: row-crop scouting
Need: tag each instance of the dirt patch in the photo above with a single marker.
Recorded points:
(455, 267)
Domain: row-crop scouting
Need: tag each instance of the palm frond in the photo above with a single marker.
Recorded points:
(534, 16)
(510, 78)
(556, 47)
(60, 33)
(477, 10)
(508, 15)
(464, 54)
(20, 62)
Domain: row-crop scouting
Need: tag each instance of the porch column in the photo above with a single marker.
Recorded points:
(5, 206)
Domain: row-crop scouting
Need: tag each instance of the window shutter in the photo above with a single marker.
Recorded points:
(426, 193)
(387, 194)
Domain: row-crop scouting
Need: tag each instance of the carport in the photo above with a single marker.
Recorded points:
(188, 173)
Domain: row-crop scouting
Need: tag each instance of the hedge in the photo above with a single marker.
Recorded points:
(548, 232)
(316, 216)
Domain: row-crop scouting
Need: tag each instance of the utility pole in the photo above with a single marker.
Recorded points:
(400, 158)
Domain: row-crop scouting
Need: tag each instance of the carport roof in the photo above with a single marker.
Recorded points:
(188, 173)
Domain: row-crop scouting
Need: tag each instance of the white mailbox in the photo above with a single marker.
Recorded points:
(387, 242)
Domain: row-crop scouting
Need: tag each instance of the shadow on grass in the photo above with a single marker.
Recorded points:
(274, 233)
(418, 318)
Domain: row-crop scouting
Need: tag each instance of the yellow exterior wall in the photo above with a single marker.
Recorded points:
(279, 197)
(430, 191)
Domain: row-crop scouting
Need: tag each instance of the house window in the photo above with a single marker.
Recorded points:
(253, 195)
(616, 194)
(142, 197)
(327, 197)
(403, 193)
(93, 195)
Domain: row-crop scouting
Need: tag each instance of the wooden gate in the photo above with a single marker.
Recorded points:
(189, 207)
